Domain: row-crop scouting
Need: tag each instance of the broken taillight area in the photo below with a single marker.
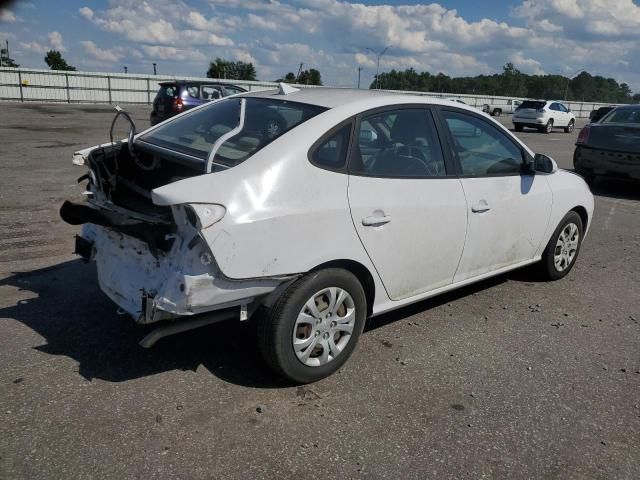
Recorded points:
(152, 260)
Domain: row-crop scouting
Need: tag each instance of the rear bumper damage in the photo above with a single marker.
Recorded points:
(183, 282)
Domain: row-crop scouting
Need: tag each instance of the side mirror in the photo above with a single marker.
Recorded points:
(544, 164)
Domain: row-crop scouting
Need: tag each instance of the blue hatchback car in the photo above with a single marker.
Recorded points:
(176, 97)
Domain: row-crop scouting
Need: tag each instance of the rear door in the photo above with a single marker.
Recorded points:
(560, 117)
(407, 205)
(508, 207)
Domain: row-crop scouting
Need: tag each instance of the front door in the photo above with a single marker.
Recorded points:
(408, 208)
(508, 206)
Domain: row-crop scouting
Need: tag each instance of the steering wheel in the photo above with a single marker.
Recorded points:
(416, 153)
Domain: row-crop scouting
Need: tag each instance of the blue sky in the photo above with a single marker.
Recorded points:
(454, 37)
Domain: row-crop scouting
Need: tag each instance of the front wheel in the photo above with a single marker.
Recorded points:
(562, 250)
(569, 128)
(497, 112)
(314, 326)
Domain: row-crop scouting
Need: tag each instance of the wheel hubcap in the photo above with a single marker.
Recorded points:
(566, 247)
(324, 326)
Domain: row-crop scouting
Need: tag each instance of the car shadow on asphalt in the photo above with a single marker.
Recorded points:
(617, 189)
(76, 320)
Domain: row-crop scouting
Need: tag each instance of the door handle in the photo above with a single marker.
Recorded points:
(481, 206)
(375, 220)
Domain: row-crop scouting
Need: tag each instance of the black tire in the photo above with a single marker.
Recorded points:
(276, 329)
(518, 127)
(569, 128)
(497, 112)
(547, 265)
(548, 128)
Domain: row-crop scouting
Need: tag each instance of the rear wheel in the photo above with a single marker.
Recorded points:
(548, 128)
(497, 112)
(518, 127)
(562, 250)
(314, 326)
(569, 128)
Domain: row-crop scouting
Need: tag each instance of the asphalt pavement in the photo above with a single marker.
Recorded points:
(508, 378)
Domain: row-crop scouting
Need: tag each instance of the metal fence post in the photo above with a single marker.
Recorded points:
(20, 84)
(148, 92)
(66, 79)
(109, 87)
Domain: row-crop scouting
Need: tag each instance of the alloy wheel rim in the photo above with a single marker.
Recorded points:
(549, 126)
(566, 247)
(324, 326)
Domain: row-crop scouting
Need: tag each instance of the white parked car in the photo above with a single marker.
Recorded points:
(543, 115)
(312, 210)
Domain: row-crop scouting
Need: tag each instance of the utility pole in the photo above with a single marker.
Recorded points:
(379, 55)
(125, 69)
(359, 70)
(154, 68)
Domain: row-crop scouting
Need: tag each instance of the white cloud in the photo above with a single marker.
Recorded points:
(7, 15)
(332, 35)
(103, 55)
(86, 12)
(172, 53)
(55, 40)
(262, 23)
(34, 47)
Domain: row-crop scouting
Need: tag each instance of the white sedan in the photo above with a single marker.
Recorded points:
(311, 210)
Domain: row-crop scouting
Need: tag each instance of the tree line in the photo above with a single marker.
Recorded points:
(229, 70)
(513, 83)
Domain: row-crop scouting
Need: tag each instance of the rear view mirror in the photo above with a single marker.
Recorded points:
(544, 164)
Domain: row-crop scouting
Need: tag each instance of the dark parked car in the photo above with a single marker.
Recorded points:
(610, 147)
(176, 97)
(598, 113)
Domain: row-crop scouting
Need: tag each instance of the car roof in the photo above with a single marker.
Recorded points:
(335, 97)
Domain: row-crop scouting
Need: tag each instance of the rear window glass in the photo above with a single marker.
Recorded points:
(195, 133)
(168, 91)
(623, 115)
(531, 104)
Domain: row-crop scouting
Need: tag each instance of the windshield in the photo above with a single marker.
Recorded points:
(623, 115)
(531, 104)
(266, 119)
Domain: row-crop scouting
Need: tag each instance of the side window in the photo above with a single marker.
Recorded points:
(562, 108)
(193, 91)
(333, 152)
(233, 90)
(555, 107)
(481, 148)
(210, 93)
(398, 143)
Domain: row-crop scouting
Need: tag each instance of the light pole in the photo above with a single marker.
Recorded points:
(566, 90)
(154, 68)
(379, 55)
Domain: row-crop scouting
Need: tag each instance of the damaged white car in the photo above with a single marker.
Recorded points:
(317, 208)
